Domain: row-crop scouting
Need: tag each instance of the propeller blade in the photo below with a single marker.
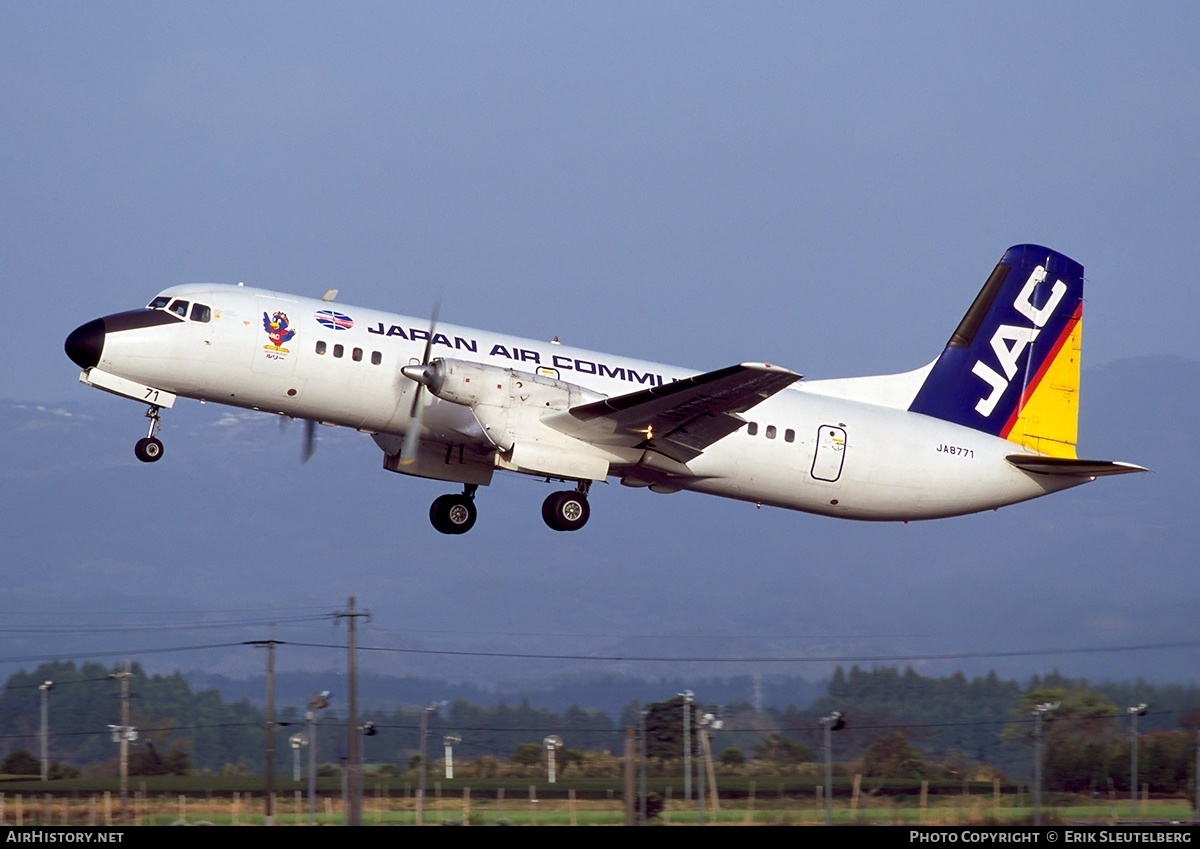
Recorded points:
(310, 440)
(419, 374)
(412, 442)
(413, 411)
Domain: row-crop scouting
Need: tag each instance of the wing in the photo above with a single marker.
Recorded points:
(679, 419)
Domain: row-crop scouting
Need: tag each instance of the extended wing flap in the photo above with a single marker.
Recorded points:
(678, 419)
(1068, 467)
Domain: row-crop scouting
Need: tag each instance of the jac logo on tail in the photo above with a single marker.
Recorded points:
(1010, 341)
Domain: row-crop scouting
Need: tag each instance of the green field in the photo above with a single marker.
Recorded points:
(239, 801)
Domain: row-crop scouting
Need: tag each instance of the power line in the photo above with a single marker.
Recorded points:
(163, 626)
(866, 658)
(49, 658)
(630, 658)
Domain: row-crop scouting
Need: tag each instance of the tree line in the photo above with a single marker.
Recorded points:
(899, 725)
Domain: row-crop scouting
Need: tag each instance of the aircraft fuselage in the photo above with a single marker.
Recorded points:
(806, 447)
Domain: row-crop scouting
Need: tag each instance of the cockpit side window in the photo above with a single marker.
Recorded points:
(179, 307)
(200, 312)
(159, 302)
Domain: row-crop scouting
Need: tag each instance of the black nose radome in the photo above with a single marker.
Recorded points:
(85, 343)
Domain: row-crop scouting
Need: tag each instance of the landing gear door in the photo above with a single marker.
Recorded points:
(830, 453)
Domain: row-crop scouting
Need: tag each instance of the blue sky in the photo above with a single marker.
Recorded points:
(822, 186)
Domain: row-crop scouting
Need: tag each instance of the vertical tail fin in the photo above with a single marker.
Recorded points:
(1011, 368)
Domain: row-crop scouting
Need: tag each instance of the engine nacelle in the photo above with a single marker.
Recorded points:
(509, 405)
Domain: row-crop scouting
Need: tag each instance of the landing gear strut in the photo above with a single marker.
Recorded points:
(149, 448)
(567, 510)
(454, 513)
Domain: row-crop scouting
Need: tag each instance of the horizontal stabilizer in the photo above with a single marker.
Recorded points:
(1067, 467)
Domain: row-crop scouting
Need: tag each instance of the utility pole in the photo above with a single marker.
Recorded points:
(125, 733)
(353, 738)
(630, 743)
(269, 770)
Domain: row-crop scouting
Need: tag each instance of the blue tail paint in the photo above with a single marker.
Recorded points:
(1024, 326)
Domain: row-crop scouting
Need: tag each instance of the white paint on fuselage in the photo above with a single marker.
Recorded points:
(897, 465)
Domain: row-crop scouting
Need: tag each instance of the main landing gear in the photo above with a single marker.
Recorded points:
(455, 513)
(149, 448)
(567, 510)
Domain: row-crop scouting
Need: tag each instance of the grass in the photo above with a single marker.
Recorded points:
(516, 809)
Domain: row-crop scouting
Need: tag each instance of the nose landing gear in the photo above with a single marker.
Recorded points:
(149, 448)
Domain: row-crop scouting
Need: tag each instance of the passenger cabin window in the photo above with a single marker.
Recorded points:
(320, 346)
(159, 302)
(201, 313)
(376, 358)
(356, 355)
(752, 428)
(180, 308)
(338, 350)
(770, 431)
(789, 435)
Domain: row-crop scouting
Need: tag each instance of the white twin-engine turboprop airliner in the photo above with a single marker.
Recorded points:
(991, 422)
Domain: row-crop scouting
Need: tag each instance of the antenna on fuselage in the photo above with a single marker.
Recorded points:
(329, 296)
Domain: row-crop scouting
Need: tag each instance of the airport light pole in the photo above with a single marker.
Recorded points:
(318, 702)
(704, 723)
(836, 721)
(1134, 712)
(297, 741)
(46, 687)
(642, 777)
(688, 696)
(552, 743)
(448, 743)
(1039, 714)
(425, 712)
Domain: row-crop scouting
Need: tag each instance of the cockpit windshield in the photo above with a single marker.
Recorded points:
(178, 306)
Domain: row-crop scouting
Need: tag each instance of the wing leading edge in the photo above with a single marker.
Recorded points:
(680, 419)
